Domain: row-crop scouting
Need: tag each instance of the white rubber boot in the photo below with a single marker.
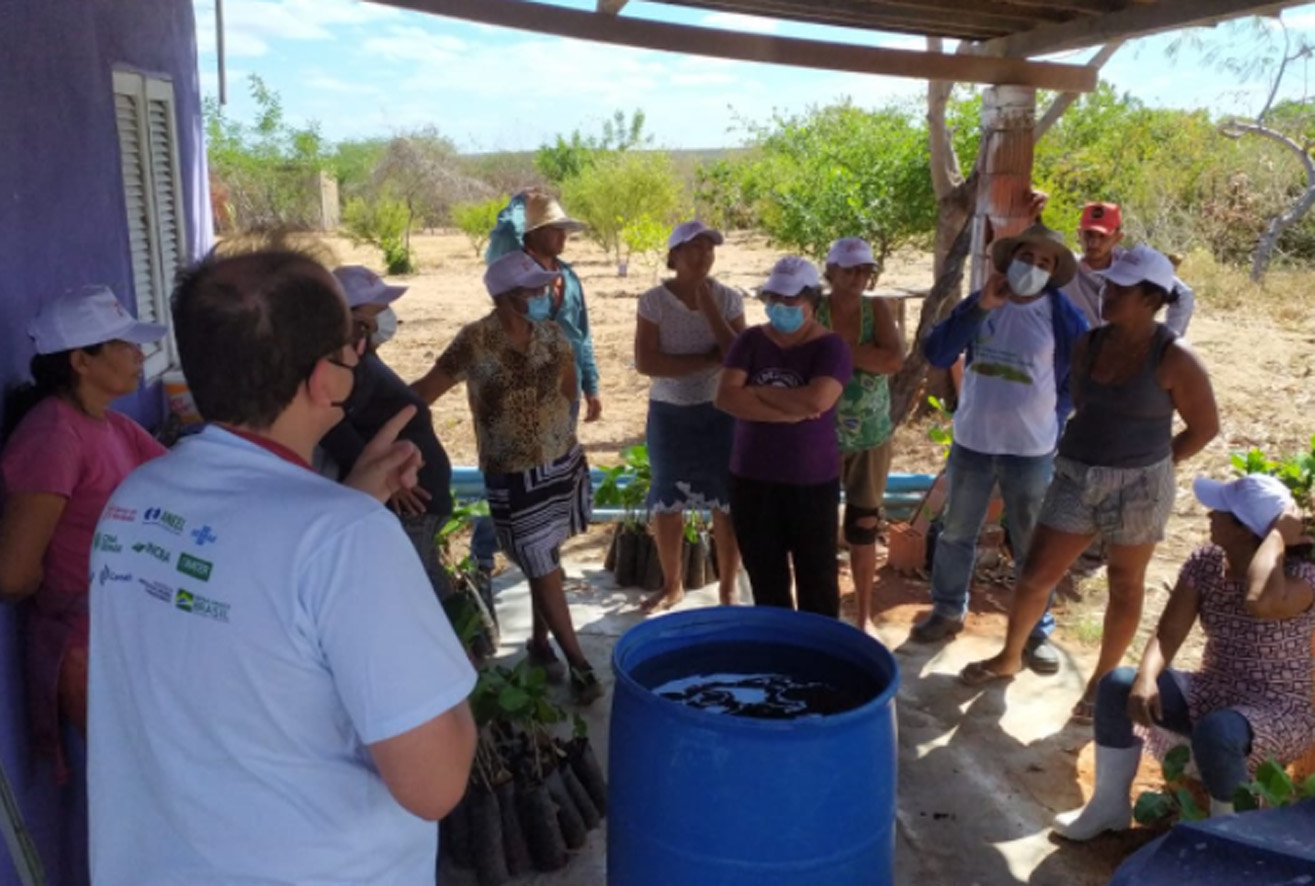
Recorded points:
(1110, 808)
(1220, 809)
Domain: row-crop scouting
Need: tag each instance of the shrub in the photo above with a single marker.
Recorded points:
(476, 221)
(620, 188)
(383, 223)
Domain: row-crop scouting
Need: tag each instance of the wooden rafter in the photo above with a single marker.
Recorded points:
(563, 22)
(864, 15)
(1136, 20)
(611, 7)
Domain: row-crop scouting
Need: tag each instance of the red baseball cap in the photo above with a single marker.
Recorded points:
(1103, 217)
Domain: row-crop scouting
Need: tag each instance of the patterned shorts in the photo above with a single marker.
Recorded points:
(1124, 506)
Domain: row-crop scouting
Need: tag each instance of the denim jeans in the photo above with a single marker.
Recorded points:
(1220, 742)
(1023, 481)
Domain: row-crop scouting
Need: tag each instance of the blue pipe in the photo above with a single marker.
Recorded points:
(903, 492)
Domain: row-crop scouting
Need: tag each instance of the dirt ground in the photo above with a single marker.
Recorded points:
(1259, 346)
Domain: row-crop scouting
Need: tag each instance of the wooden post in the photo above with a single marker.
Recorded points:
(1008, 119)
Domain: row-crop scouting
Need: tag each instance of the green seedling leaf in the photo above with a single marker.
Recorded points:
(1244, 800)
(1275, 785)
(580, 729)
(546, 712)
(1306, 790)
(513, 700)
(1187, 807)
(1175, 762)
(1152, 807)
(536, 678)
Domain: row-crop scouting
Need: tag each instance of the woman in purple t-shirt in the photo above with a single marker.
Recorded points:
(64, 452)
(781, 381)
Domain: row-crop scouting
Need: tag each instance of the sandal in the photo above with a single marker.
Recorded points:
(544, 657)
(585, 688)
(1084, 712)
(978, 674)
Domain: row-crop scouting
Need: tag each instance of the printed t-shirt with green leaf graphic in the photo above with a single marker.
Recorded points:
(863, 411)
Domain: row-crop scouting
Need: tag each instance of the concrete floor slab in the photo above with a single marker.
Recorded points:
(982, 771)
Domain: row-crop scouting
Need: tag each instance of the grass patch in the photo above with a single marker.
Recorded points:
(1284, 295)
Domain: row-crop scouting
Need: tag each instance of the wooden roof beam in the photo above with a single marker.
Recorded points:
(664, 37)
(904, 15)
(879, 16)
(611, 7)
(1132, 21)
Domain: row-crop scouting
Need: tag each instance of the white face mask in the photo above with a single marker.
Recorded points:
(385, 327)
(1026, 280)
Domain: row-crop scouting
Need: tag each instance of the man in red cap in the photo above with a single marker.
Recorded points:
(1100, 232)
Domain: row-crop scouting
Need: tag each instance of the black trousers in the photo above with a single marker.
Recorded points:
(778, 525)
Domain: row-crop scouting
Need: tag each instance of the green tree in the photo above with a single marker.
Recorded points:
(476, 221)
(267, 170)
(620, 188)
(569, 157)
(841, 171)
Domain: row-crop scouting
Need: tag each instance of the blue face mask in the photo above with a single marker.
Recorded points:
(785, 318)
(538, 308)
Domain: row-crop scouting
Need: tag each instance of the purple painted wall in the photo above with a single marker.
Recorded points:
(63, 224)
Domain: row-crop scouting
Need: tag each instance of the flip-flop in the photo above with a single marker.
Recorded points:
(1084, 712)
(978, 674)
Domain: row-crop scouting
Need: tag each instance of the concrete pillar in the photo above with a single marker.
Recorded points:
(1008, 119)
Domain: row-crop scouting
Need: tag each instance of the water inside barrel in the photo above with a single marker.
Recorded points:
(765, 696)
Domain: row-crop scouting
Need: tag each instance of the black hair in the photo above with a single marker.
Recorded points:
(250, 329)
(1163, 296)
(51, 374)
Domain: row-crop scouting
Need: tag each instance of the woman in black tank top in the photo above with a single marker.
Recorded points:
(1114, 474)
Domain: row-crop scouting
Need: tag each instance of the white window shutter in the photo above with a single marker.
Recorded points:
(148, 148)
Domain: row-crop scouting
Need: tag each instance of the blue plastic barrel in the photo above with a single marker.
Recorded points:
(698, 798)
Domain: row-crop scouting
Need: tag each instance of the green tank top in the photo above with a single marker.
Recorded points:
(863, 412)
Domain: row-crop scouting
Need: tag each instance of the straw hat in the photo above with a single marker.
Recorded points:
(542, 211)
(1066, 265)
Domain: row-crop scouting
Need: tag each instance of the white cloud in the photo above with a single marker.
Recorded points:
(322, 82)
(412, 44)
(250, 25)
(734, 21)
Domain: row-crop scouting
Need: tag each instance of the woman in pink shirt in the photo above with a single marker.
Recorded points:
(64, 452)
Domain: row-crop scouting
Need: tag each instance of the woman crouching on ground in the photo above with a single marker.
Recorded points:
(1251, 699)
(684, 329)
(521, 383)
(781, 381)
(1114, 475)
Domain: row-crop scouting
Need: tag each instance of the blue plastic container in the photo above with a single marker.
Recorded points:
(698, 798)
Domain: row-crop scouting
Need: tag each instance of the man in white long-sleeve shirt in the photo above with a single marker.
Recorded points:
(1100, 232)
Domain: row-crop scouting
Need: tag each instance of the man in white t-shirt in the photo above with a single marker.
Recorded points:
(1100, 232)
(1017, 335)
(275, 694)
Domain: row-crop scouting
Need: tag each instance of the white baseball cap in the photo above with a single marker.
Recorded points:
(791, 276)
(1139, 263)
(1257, 500)
(88, 316)
(516, 270)
(687, 231)
(850, 252)
(363, 286)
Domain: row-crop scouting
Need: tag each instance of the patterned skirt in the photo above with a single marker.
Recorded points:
(535, 511)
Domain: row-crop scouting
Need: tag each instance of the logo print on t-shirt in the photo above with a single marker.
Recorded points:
(776, 377)
(204, 536)
(167, 521)
(202, 606)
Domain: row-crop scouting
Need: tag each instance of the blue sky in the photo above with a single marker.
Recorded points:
(361, 69)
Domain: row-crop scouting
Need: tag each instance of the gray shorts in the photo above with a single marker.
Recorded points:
(1124, 506)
